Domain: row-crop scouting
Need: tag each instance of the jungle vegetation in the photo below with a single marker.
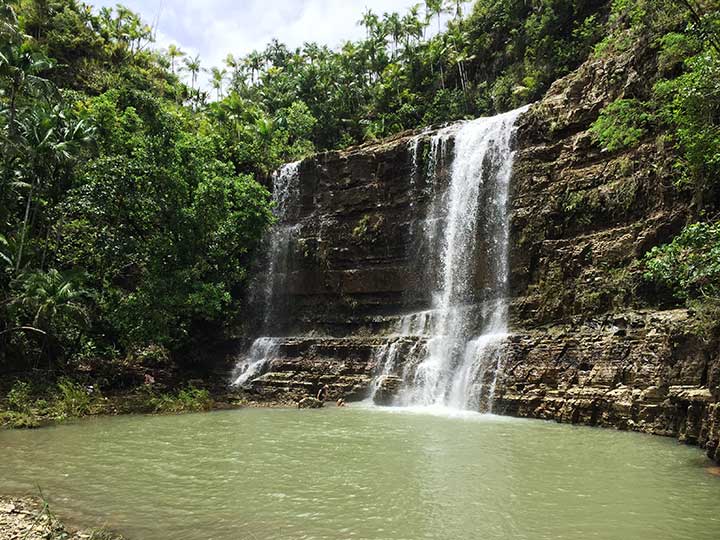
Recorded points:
(132, 199)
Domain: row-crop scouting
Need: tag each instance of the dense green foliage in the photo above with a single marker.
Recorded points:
(131, 202)
(621, 124)
(124, 223)
(186, 400)
(682, 104)
(690, 264)
(407, 72)
(130, 205)
(687, 100)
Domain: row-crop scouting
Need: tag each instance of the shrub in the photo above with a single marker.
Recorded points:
(189, 399)
(19, 420)
(19, 397)
(621, 124)
(74, 399)
(689, 265)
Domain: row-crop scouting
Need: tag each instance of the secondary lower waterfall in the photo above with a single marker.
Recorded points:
(466, 327)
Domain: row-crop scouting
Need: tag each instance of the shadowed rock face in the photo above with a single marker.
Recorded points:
(590, 343)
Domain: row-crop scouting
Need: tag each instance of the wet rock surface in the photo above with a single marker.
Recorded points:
(388, 389)
(641, 371)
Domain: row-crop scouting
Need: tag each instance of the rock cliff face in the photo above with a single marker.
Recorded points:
(590, 342)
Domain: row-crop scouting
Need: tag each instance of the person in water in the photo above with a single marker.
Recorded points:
(323, 393)
(340, 402)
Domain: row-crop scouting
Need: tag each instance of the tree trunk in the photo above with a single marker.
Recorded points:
(24, 228)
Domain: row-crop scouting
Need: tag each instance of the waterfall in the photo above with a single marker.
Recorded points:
(268, 289)
(449, 354)
(251, 364)
(467, 235)
(285, 191)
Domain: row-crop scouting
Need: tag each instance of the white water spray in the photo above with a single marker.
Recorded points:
(268, 289)
(469, 223)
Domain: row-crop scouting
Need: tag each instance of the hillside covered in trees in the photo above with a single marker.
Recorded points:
(132, 200)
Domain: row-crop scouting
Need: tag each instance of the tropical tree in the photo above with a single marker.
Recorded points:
(435, 8)
(53, 298)
(253, 62)
(53, 305)
(50, 138)
(21, 69)
(174, 53)
(217, 80)
(193, 66)
(395, 29)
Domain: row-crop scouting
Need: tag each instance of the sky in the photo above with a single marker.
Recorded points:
(214, 28)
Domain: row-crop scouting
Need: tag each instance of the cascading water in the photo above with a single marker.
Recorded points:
(285, 192)
(268, 289)
(252, 364)
(467, 228)
(449, 354)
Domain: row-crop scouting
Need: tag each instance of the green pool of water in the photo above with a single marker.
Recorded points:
(363, 473)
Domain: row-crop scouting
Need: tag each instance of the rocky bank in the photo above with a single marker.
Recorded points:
(30, 519)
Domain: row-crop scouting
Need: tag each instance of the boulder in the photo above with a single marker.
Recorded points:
(309, 403)
(388, 389)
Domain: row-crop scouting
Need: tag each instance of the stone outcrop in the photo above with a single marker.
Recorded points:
(351, 266)
(582, 217)
(591, 341)
(645, 371)
(310, 403)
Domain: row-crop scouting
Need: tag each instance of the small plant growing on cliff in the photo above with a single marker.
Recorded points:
(621, 124)
(367, 227)
(361, 229)
(689, 265)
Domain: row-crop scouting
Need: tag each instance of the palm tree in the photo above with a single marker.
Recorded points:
(20, 68)
(54, 298)
(235, 66)
(192, 66)
(458, 9)
(277, 53)
(412, 25)
(174, 53)
(57, 303)
(436, 8)
(370, 21)
(218, 78)
(436, 51)
(394, 27)
(254, 62)
(50, 140)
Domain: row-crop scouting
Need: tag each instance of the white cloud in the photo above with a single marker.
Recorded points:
(214, 28)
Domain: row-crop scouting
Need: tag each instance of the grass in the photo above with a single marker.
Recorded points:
(190, 399)
(27, 405)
